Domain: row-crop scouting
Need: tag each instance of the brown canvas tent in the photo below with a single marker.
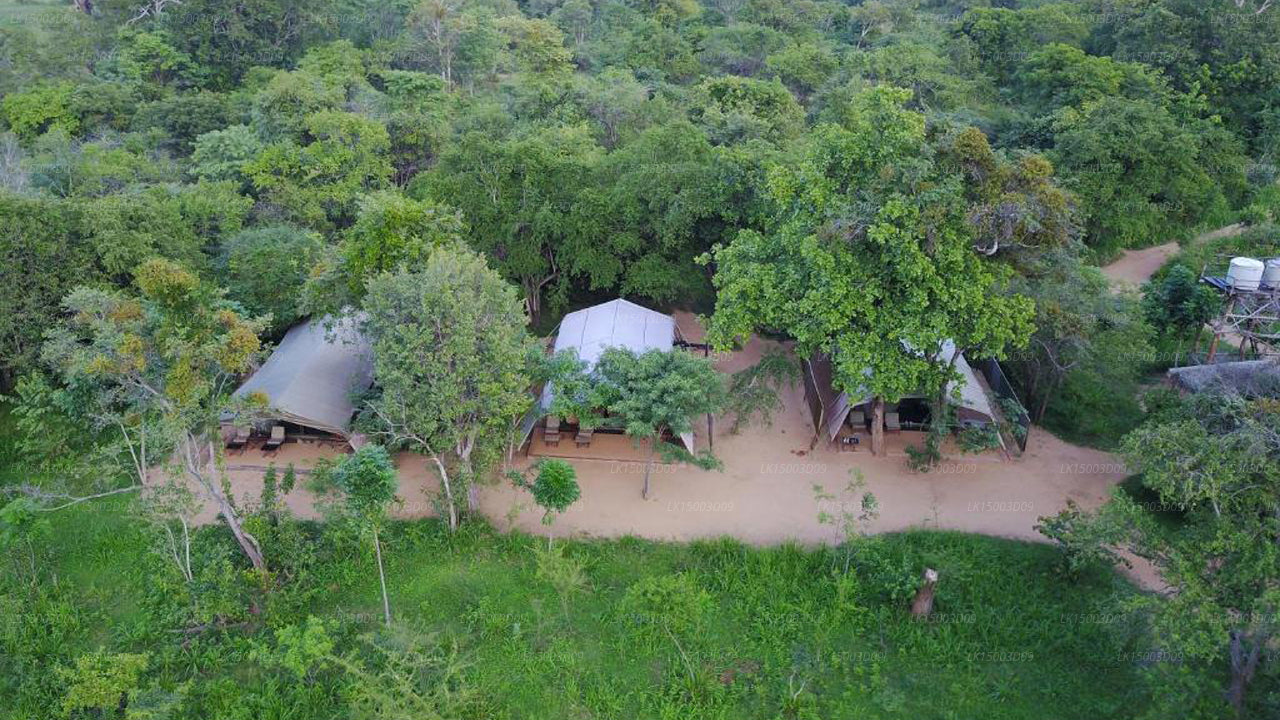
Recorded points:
(314, 374)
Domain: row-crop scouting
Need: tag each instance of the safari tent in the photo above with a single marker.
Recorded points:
(832, 410)
(590, 331)
(312, 377)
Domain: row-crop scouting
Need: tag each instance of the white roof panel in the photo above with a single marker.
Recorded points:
(617, 323)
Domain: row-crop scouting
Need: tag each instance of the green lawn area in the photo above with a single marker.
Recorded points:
(787, 634)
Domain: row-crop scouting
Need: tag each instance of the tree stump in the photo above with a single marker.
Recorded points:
(923, 603)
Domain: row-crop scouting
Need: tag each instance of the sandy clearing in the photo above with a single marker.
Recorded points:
(766, 493)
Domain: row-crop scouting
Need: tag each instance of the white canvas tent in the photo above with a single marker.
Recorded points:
(832, 409)
(313, 374)
(615, 324)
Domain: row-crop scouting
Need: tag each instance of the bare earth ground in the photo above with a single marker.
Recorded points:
(766, 492)
(1135, 267)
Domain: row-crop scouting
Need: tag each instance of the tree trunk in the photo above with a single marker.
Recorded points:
(653, 446)
(464, 450)
(382, 578)
(923, 603)
(533, 299)
(1244, 663)
(941, 402)
(448, 493)
(193, 457)
(1048, 394)
(247, 542)
(877, 426)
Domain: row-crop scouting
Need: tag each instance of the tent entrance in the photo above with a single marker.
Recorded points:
(914, 413)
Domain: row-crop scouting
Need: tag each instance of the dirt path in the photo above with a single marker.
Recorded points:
(1135, 267)
(768, 492)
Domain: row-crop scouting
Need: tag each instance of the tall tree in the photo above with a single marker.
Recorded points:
(1212, 459)
(1178, 304)
(391, 232)
(266, 269)
(1143, 175)
(1079, 323)
(44, 252)
(368, 482)
(164, 362)
(319, 184)
(451, 359)
(871, 262)
(654, 395)
(518, 197)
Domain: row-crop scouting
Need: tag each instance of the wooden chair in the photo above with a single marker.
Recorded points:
(238, 441)
(551, 435)
(892, 423)
(274, 442)
(857, 420)
(583, 438)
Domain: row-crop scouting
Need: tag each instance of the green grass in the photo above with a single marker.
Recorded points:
(1012, 640)
(787, 634)
(28, 14)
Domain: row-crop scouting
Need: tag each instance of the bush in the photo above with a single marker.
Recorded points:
(266, 268)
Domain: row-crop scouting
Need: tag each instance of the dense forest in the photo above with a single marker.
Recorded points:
(591, 149)
(182, 181)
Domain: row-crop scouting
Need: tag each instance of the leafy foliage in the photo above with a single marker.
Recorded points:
(554, 487)
(451, 357)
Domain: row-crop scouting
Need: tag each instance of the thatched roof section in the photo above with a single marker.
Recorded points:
(1250, 377)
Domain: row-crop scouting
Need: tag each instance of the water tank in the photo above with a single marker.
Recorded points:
(1271, 275)
(1245, 273)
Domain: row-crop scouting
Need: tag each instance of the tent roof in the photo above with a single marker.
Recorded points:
(835, 408)
(313, 373)
(617, 323)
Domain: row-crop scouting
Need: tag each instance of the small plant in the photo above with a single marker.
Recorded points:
(563, 573)
(1012, 410)
(22, 529)
(101, 683)
(1085, 539)
(673, 604)
(368, 482)
(289, 480)
(923, 459)
(978, 438)
(554, 488)
(850, 522)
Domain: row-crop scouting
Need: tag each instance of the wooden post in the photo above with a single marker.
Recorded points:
(923, 604)
(877, 426)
